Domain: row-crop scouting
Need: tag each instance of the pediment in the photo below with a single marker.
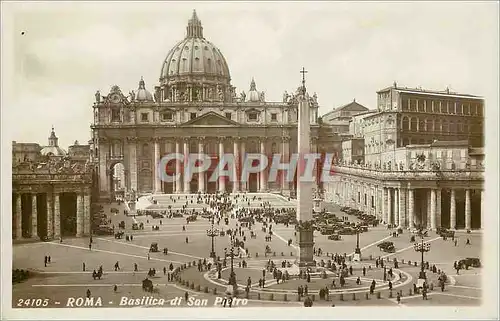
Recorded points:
(210, 119)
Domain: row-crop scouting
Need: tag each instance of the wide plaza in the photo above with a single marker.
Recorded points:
(64, 277)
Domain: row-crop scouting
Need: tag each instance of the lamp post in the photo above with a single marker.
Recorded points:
(357, 250)
(422, 247)
(212, 232)
(232, 277)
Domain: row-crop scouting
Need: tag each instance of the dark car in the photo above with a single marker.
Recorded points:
(470, 261)
(153, 247)
(103, 230)
(446, 233)
(387, 246)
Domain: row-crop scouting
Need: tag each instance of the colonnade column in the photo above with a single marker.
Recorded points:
(57, 216)
(438, 207)
(19, 216)
(79, 214)
(389, 209)
(178, 169)
(467, 210)
(402, 208)
(411, 208)
(243, 157)
(384, 205)
(396, 208)
(237, 166)
(157, 181)
(187, 185)
(50, 215)
(453, 210)
(262, 174)
(201, 176)
(87, 214)
(34, 216)
(433, 210)
(222, 181)
(482, 209)
(429, 209)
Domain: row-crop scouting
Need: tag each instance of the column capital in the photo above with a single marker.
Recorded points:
(285, 139)
(221, 139)
(131, 139)
(202, 138)
(156, 139)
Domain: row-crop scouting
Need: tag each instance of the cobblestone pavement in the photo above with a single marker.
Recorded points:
(64, 278)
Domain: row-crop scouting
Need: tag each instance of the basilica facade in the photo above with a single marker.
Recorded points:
(194, 109)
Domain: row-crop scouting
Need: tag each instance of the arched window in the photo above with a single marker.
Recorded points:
(429, 125)
(453, 127)
(145, 149)
(444, 126)
(274, 148)
(413, 124)
(405, 124)
(437, 125)
(421, 126)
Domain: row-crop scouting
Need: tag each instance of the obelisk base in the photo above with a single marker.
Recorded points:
(305, 240)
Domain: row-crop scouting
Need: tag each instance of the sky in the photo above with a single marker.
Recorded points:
(350, 49)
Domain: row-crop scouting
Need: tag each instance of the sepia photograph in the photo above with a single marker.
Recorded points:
(249, 159)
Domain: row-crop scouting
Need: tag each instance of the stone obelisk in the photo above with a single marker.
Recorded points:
(304, 227)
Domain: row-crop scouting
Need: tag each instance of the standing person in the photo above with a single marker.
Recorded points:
(88, 293)
(45, 261)
(398, 297)
(83, 266)
(49, 259)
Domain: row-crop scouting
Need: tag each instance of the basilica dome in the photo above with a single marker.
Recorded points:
(53, 149)
(195, 56)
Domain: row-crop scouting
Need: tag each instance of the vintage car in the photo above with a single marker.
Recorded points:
(335, 237)
(470, 262)
(103, 230)
(443, 232)
(119, 235)
(153, 247)
(192, 218)
(122, 224)
(387, 246)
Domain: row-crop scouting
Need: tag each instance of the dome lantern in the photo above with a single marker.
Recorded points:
(142, 93)
(194, 28)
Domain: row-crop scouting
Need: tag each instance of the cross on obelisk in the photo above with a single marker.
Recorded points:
(303, 72)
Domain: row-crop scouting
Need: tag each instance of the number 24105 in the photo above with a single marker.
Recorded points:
(32, 303)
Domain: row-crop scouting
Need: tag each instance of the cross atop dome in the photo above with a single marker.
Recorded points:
(194, 28)
(53, 138)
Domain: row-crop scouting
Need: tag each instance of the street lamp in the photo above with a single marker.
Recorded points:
(232, 277)
(422, 247)
(357, 250)
(213, 232)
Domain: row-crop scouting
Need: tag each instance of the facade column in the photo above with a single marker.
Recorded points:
(157, 181)
(433, 210)
(438, 207)
(243, 157)
(132, 147)
(87, 216)
(57, 216)
(402, 208)
(178, 169)
(389, 209)
(453, 210)
(222, 179)
(237, 166)
(79, 214)
(285, 153)
(429, 210)
(411, 208)
(262, 174)
(467, 210)
(201, 176)
(50, 216)
(19, 216)
(396, 207)
(34, 216)
(187, 182)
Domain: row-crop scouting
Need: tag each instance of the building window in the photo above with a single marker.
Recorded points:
(428, 106)
(274, 117)
(366, 199)
(480, 110)
(192, 116)
(359, 197)
(115, 115)
(144, 117)
(228, 115)
(429, 125)
(373, 201)
(252, 116)
(420, 105)
(167, 116)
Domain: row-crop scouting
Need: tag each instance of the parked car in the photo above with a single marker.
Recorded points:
(470, 261)
(387, 246)
(153, 247)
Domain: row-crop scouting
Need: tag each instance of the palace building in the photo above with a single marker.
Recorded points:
(51, 190)
(416, 161)
(194, 109)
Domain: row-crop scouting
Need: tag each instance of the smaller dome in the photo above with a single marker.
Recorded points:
(142, 93)
(53, 151)
(253, 94)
